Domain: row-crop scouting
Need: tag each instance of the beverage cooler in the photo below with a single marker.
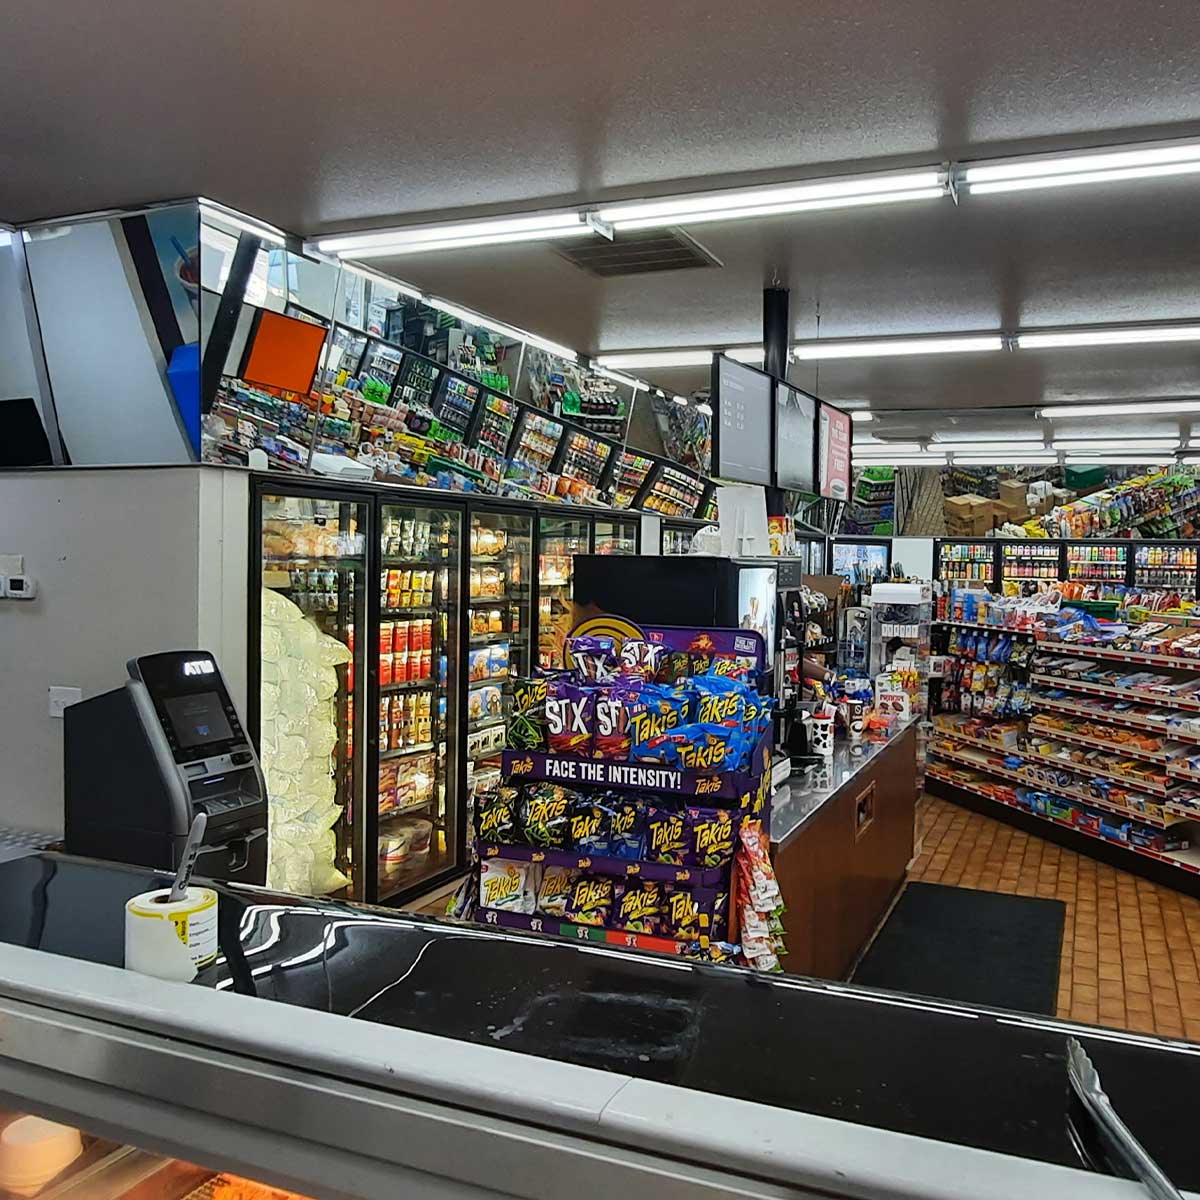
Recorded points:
(1165, 566)
(676, 536)
(1098, 563)
(1025, 559)
(356, 677)
(962, 560)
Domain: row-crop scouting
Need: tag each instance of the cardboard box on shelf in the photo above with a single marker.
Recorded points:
(1013, 492)
(969, 515)
(1006, 513)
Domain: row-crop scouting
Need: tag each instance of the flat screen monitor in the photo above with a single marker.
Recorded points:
(282, 352)
(833, 445)
(795, 439)
(742, 419)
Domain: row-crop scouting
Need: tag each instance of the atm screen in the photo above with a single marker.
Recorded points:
(198, 719)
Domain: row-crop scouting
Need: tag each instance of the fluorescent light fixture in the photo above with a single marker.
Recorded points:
(680, 400)
(5, 237)
(634, 360)
(954, 437)
(873, 447)
(1131, 335)
(1119, 460)
(1147, 408)
(889, 347)
(450, 235)
(1190, 461)
(705, 409)
(1113, 165)
(904, 460)
(617, 377)
(473, 318)
(991, 449)
(1132, 444)
(405, 289)
(1014, 459)
(885, 187)
(268, 233)
(860, 416)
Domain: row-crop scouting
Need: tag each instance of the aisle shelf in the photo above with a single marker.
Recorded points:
(1178, 662)
(417, 610)
(410, 685)
(407, 751)
(1151, 724)
(1028, 633)
(603, 864)
(1132, 814)
(581, 933)
(1133, 695)
(1187, 860)
(1066, 735)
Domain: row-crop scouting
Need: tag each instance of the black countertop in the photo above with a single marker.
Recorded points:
(943, 1071)
(808, 790)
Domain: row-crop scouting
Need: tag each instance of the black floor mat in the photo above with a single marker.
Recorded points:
(986, 948)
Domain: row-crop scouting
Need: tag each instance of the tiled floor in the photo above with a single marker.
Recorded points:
(1130, 947)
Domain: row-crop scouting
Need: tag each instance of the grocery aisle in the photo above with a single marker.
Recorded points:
(1130, 947)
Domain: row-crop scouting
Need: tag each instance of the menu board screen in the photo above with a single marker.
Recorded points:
(742, 433)
(795, 439)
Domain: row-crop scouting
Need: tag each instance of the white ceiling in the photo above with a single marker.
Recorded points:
(320, 117)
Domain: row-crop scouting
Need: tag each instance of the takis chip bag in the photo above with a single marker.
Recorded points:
(569, 715)
(713, 704)
(628, 827)
(591, 900)
(639, 906)
(545, 815)
(711, 836)
(555, 890)
(507, 886)
(590, 825)
(655, 711)
(496, 814)
(666, 836)
(694, 748)
(688, 912)
(527, 720)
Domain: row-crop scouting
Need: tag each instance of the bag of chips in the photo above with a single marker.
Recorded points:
(590, 825)
(591, 900)
(496, 816)
(666, 836)
(653, 712)
(627, 838)
(545, 815)
(570, 710)
(527, 719)
(613, 706)
(555, 890)
(507, 886)
(639, 906)
(594, 658)
(640, 657)
(711, 836)
(694, 748)
(688, 912)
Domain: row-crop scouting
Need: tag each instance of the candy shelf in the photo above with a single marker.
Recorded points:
(1125, 720)
(1142, 658)
(1026, 633)
(1187, 860)
(601, 864)
(1133, 695)
(1079, 739)
(407, 751)
(580, 933)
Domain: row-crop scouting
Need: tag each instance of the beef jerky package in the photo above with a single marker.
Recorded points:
(527, 718)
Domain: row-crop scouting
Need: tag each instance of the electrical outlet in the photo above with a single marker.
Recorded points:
(60, 697)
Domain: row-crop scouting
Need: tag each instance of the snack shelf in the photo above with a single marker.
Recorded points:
(314, 560)
(495, 639)
(484, 723)
(1178, 772)
(1029, 633)
(493, 680)
(1130, 656)
(1080, 739)
(410, 685)
(407, 751)
(429, 562)
(521, 765)
(602, 864)
(1128, 722)
(492, 601)
(426, 610)
(1187, 860)
(408, 809)
(1159, 791)
(1133, 695)
(1068, 793)
(581, 933)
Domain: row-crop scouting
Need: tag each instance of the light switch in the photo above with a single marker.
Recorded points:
(60, 697)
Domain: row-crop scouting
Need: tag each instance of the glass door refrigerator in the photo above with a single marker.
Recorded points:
(500, 608)
(419, 821)
(676, 536)
(1102, 564)
(559, 540)
(963, 561)
(1166, 567)
(308, 612)
(1035, 559)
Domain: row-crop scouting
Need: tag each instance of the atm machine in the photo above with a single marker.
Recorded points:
(142, 760)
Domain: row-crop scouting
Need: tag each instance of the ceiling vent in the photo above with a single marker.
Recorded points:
(637, 252)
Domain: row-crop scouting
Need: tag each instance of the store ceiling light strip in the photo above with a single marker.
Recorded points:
(1111, 165)
(895, 347)
(1132, 442)
(1129, 335)
(991, 449)
(1119, 460)
(1147, 408)
(617, 377)
(473, 318)
(448, 235)
(860, 416)
(222, 212)
(1000, 460)
(405, 289)
(633, 360)
(985, 440)
(801, 196)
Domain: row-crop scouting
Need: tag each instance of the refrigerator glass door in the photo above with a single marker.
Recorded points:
(311, 691)
(560, 538)
(501, 621)
(615, 537)
(417, 793)
(757, 603)
(677, 539)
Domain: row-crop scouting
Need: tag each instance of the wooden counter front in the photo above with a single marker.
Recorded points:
(840, 867)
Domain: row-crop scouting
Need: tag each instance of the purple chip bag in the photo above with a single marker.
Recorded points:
(689, 912)
(712, 834)
(591, 900)
(614, 704)
(640, 657)
(570, 713)
(666, 836)
(594, 658)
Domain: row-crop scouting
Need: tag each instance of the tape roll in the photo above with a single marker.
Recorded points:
(171, 940)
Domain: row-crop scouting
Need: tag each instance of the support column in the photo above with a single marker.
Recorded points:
(777, 331)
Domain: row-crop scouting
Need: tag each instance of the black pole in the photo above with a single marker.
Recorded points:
(229, 307)
(777, 340)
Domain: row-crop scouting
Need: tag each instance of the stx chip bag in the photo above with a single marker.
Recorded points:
(570, 715)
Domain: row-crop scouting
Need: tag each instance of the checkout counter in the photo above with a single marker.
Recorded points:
(350, 1052)
(841, 841)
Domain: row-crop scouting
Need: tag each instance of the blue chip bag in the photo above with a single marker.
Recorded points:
(627, 826)
(710, 748)
(653, 710)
